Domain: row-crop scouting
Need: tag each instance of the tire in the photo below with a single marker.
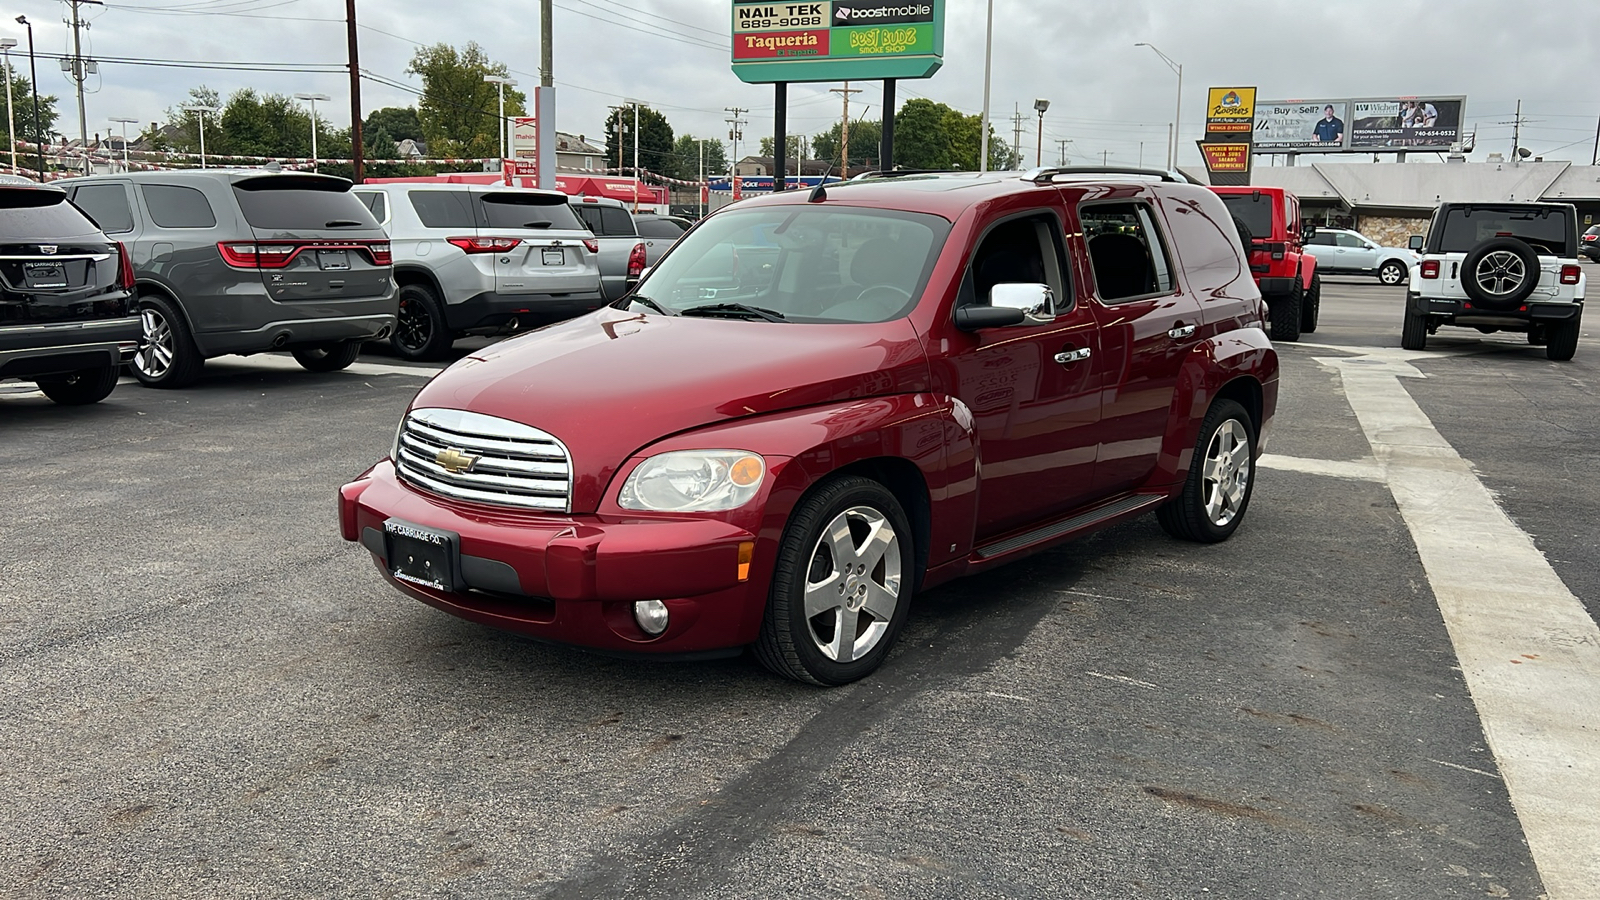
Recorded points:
(82, 387)
(1414, 331)
(1285, 312)
(420, 333)
(1561, 339)
(1311, 308)
(1221, 478)
(871, 528)
(1392, 272)
(1500, 273)
(328, 357)
(167, 357)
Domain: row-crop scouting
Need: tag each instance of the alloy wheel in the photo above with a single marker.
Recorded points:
(853, 585)
(414, 328)
(154, 358)
(1391, 274)
(1227, 472)
(1500, 273)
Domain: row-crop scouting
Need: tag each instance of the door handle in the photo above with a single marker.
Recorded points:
(1068, 357)
(1180, 332)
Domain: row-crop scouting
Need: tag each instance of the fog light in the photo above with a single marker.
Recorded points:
(651, 616)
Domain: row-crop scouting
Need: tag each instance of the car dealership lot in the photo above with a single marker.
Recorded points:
(209, 694)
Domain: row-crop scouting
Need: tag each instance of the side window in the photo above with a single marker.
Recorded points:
(172, 206)
(376, 202)
(1025, 250)
(1323, 239)
(1350, 240)
(1125, 250)
(616, 222)
(443, 209)
(107, 205)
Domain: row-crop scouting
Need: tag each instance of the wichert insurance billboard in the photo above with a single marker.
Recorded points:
(837, 40)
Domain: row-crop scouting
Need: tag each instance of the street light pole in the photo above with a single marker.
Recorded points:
(1174, 65)
(500, 83)
(33, 72)
(11, 119)
(312, 99)
(988, 53)
(124, 121)
(201, 112)
(1038, 151)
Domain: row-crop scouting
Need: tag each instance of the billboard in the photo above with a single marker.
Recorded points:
(1305, 126)
(837, 40)
(1229, 110)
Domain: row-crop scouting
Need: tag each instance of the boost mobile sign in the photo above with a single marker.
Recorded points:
(837, 40)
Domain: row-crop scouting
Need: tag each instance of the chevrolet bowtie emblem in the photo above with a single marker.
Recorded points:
(454, 461)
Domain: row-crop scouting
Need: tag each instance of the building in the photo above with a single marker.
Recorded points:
(575, 153)
(763, 165)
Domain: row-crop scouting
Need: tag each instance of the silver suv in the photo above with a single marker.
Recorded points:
(1499, 267)
(480, 259)
(1340, 251)
(242, 261)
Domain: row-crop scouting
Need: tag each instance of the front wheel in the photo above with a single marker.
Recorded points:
(328, 357)
(1221, 478)
(842, 584)
(82, 387)
(1561, 339)
(1392, 272)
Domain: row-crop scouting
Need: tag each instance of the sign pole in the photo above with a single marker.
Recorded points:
(780, 141)
(886, 152)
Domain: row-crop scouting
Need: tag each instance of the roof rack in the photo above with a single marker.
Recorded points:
(900, 173)
(1047, 174)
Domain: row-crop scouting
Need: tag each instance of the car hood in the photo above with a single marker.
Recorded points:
(610, 383)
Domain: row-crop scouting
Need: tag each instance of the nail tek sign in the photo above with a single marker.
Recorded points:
(838, 40)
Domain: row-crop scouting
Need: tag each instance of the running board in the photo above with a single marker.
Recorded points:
(1126, 505)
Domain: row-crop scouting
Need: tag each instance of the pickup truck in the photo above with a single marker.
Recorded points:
(624, 254)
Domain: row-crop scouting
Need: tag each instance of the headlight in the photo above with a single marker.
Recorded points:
(694, 481)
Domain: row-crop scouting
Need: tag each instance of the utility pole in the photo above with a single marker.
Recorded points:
(1016, 136)
(358, 151)
(1596, 146)
(80, 72)
(1516, 134)
(1105, 157)
(547, 77)
(735, 133)
(1061, 144)
(844, 129)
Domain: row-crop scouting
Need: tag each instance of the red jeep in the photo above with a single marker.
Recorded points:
(1268, 219)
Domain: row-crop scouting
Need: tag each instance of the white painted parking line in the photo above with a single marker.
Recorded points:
(1528, 649)
(1358, 469)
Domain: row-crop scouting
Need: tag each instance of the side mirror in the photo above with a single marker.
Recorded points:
(974, 318)
(1308, 231)
(1415, 243)
(1034, 301)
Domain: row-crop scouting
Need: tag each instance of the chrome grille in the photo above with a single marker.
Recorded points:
(511, 464)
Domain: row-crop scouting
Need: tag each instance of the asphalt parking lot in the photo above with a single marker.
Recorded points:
(208, 694)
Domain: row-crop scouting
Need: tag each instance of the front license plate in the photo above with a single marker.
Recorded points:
(555, 256)
(423, 556)
(333, 260)
(44, 275)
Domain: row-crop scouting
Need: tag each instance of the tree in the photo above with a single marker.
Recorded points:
(686, 158)
(268, 125)
(864, 137)
(401, 122)
(791, 145)
(929, 135)
(184, 124)
(459, 111)
(655, 138)
(22, 110)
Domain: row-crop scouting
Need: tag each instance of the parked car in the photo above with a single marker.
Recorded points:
(242, 261)
(66, 317)
(1343, 252)
(939, 374)
(1268, 220)
(1499, 267)
(473, 259)
(1589, 243)
(624, 253)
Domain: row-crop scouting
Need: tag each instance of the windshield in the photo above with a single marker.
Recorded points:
(808, 263)
(1549, 230)
(1254, 210)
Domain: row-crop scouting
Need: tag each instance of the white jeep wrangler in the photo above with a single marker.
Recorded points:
(1499, 267)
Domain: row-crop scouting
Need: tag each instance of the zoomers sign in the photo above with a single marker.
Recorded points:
(837, 40)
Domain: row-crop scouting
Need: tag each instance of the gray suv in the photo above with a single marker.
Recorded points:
(242, 261)
(481, 259)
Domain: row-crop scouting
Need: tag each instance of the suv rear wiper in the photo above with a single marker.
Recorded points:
(342, 223)
(733, 311)
(535, 224)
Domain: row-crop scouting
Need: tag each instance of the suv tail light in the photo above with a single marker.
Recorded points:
(592, 245)
(1569, 274)
(246, 255)
(381, 254)
(636, 261)
(485, 244)
(1430, 269)
(124, 268)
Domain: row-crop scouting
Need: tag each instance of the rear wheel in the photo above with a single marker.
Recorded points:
(1221, 478)
(1285, 312)
(1392, 272)
(167, 357)
(82, 387)
(420, 333)
(1414, 332)
(1561, 339)
(328, 357)
(1312, 308)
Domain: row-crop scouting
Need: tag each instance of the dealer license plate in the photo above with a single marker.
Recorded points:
(555, 256)
(44, 275)
(423, 556)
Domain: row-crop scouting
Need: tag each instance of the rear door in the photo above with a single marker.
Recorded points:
(549, 256)
(313, 239)
(53, 260)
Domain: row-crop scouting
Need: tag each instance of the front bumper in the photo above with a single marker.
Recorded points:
(572, 579)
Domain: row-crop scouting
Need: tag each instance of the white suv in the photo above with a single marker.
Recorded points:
(481, 258)
(1499, 267)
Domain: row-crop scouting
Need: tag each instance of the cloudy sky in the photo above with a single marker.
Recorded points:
(1107, 96)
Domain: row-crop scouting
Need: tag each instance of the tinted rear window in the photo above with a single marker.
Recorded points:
(173, 206)
(661, 228)
(1549, 230)
(291, 204)
(107, 204)
(443, 209)
(1255, 210)
(510, 210)
(28, 214)
(377, 204)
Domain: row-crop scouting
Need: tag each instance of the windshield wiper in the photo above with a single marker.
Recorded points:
(642, 300)
(342, 223)
(733, 311)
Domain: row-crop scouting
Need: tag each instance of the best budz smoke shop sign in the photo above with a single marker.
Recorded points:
(839, 40)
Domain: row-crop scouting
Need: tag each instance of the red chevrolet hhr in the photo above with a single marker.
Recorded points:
(819, 403)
